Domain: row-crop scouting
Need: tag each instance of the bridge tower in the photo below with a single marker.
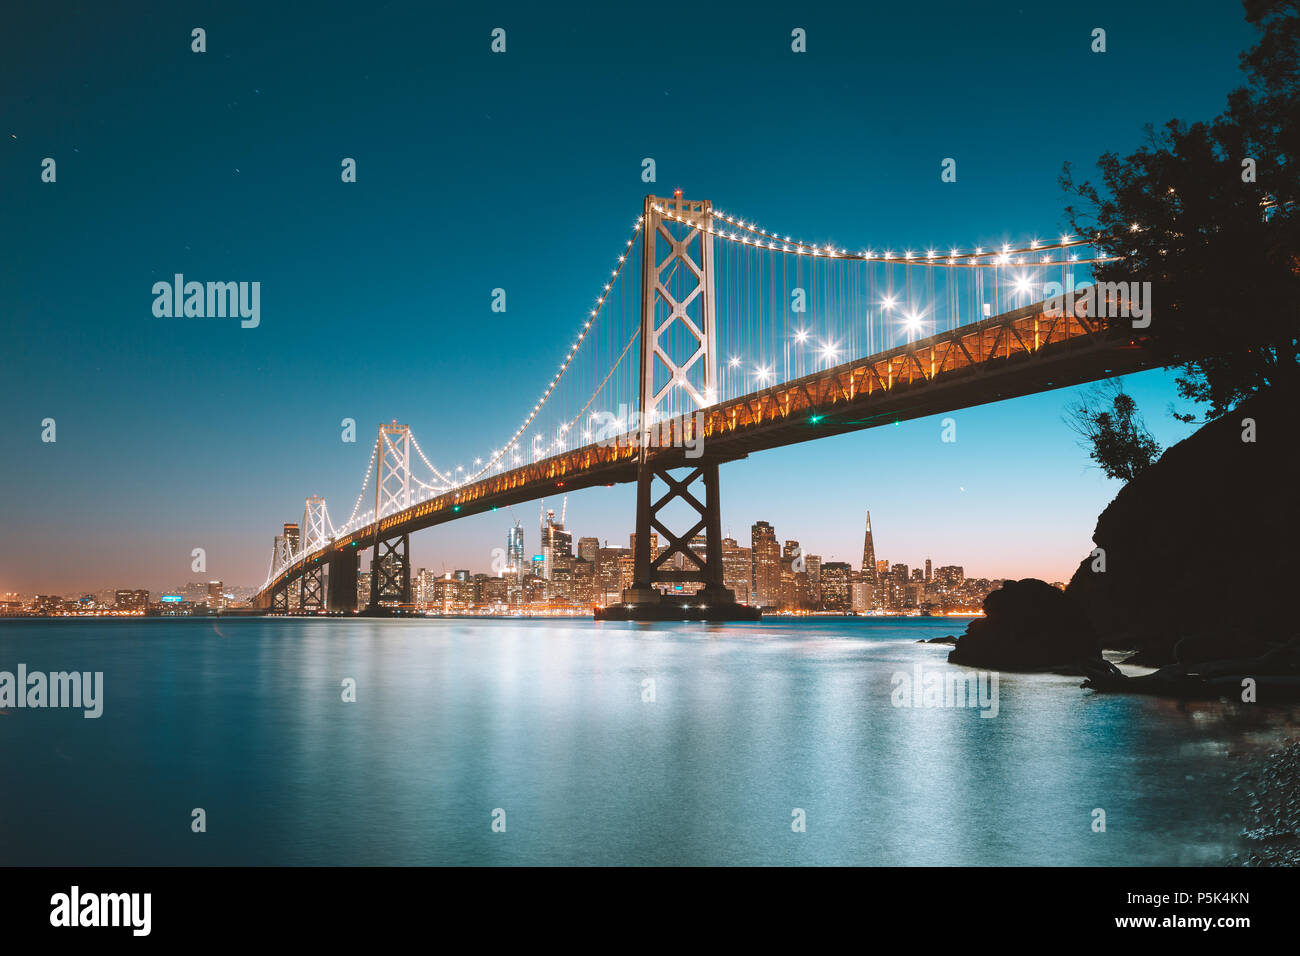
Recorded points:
(678, 371)
(316, 532)
(281, 558)
(390, 564)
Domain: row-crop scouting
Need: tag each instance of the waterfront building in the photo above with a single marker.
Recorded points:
(494, 593)
(124, 600)
(836, 582)
(861, 598)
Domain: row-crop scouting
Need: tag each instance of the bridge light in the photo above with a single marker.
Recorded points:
(801, 335)
(888, 302)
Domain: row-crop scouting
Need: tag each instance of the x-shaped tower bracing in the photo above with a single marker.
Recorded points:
(393, 481)
(316, 527)
(693, 252)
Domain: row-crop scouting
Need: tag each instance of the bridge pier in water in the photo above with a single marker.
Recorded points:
(390, 573)
(311, 593)
(280, 599)
(344, 567)
(713, 601)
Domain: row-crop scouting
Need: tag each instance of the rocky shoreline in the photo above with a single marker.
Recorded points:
(1270, 816)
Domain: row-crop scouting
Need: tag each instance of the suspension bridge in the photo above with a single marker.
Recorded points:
(733, 339)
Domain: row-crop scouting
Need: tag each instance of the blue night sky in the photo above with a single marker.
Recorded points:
(521, 171)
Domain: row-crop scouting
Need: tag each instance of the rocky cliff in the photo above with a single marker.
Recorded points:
(1201, 547)
(1199, 556)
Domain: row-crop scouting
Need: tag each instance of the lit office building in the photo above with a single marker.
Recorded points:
(765, 556)
(737, 570)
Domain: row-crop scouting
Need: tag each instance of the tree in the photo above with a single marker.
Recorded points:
(1220, 250)
(1116, 436)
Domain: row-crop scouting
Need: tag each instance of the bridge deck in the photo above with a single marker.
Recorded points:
(1018, 353)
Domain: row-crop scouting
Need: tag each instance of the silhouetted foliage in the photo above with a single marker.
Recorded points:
(1116, 437)
(1221, 253)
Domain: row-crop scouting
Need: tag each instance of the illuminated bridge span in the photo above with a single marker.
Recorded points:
(747, 341)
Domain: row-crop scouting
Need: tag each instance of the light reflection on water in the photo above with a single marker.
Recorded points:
(545, 719)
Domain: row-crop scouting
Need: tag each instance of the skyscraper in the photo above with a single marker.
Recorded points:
(555, 543)
(792, 571)
(293, 536)
(515, 551)
(766, 556)
(737, 569)
(869, 554)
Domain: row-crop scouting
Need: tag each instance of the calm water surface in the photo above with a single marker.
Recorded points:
(546, 720)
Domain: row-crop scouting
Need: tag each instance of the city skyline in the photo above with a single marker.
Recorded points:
(516, 543)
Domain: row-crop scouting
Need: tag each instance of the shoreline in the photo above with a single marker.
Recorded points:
(1269, 815)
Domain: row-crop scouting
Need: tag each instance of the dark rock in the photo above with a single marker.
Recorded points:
(1028, 626)
(1198, 548)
